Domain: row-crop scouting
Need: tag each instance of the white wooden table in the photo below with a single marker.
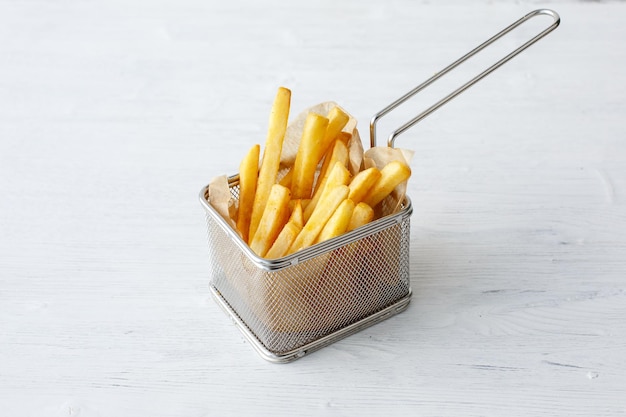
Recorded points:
(114, 114)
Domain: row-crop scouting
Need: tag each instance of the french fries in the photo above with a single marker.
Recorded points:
(361, 215)
(286, 180)
(320, 216)
(337, 153)
(297, 217)
(338, 222)
(248, 175)
(337, 119)
(306, 159)
(284, 240)
(271, 155)
(391, 175)
(362, 183)
(339, 175)
(317, 197)
(274, 217)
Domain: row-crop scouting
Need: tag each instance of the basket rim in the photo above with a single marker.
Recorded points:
(307, 253)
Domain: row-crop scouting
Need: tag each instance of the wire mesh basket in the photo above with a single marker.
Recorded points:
(291, 306)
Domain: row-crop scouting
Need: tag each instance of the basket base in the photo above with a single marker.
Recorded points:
(397, 307)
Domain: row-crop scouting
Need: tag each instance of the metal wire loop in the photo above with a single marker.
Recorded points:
(393, 136)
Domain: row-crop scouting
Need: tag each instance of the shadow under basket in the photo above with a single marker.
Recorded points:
(291, 306)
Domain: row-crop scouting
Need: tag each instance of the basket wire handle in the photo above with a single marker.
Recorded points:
(458, 91)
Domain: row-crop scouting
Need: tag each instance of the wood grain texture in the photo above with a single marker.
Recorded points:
(114, 114)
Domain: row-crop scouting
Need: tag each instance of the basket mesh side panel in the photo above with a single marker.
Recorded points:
(299, 304)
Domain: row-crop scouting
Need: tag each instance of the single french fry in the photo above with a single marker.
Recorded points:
(297, 216)
(338, 175)
(320, 216)
(392, 174)
(286, 180)
(338, 222)
(361, 215)
(271, 155)
(306, 162)
(273, 220)
(284, 240)
(362, 183)
(337, 119)
(248, 174)
(292, 203)
(338, 152)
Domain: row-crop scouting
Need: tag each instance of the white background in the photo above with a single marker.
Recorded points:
(114, 114)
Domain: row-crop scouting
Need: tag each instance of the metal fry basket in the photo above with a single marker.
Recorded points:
(291, 306)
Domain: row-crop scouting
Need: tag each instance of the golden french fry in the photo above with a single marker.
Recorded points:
(338, 175)
(392, 174)
(271, 155)
(338, 222)
(286, 180)
(274, 218)
(292, 203)
(284, 240)
(337, 119)
(320, 216)
(361, 215)
(248, 174)
(338, 152)
(297, 217)
(362, 183)
(306, 162)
